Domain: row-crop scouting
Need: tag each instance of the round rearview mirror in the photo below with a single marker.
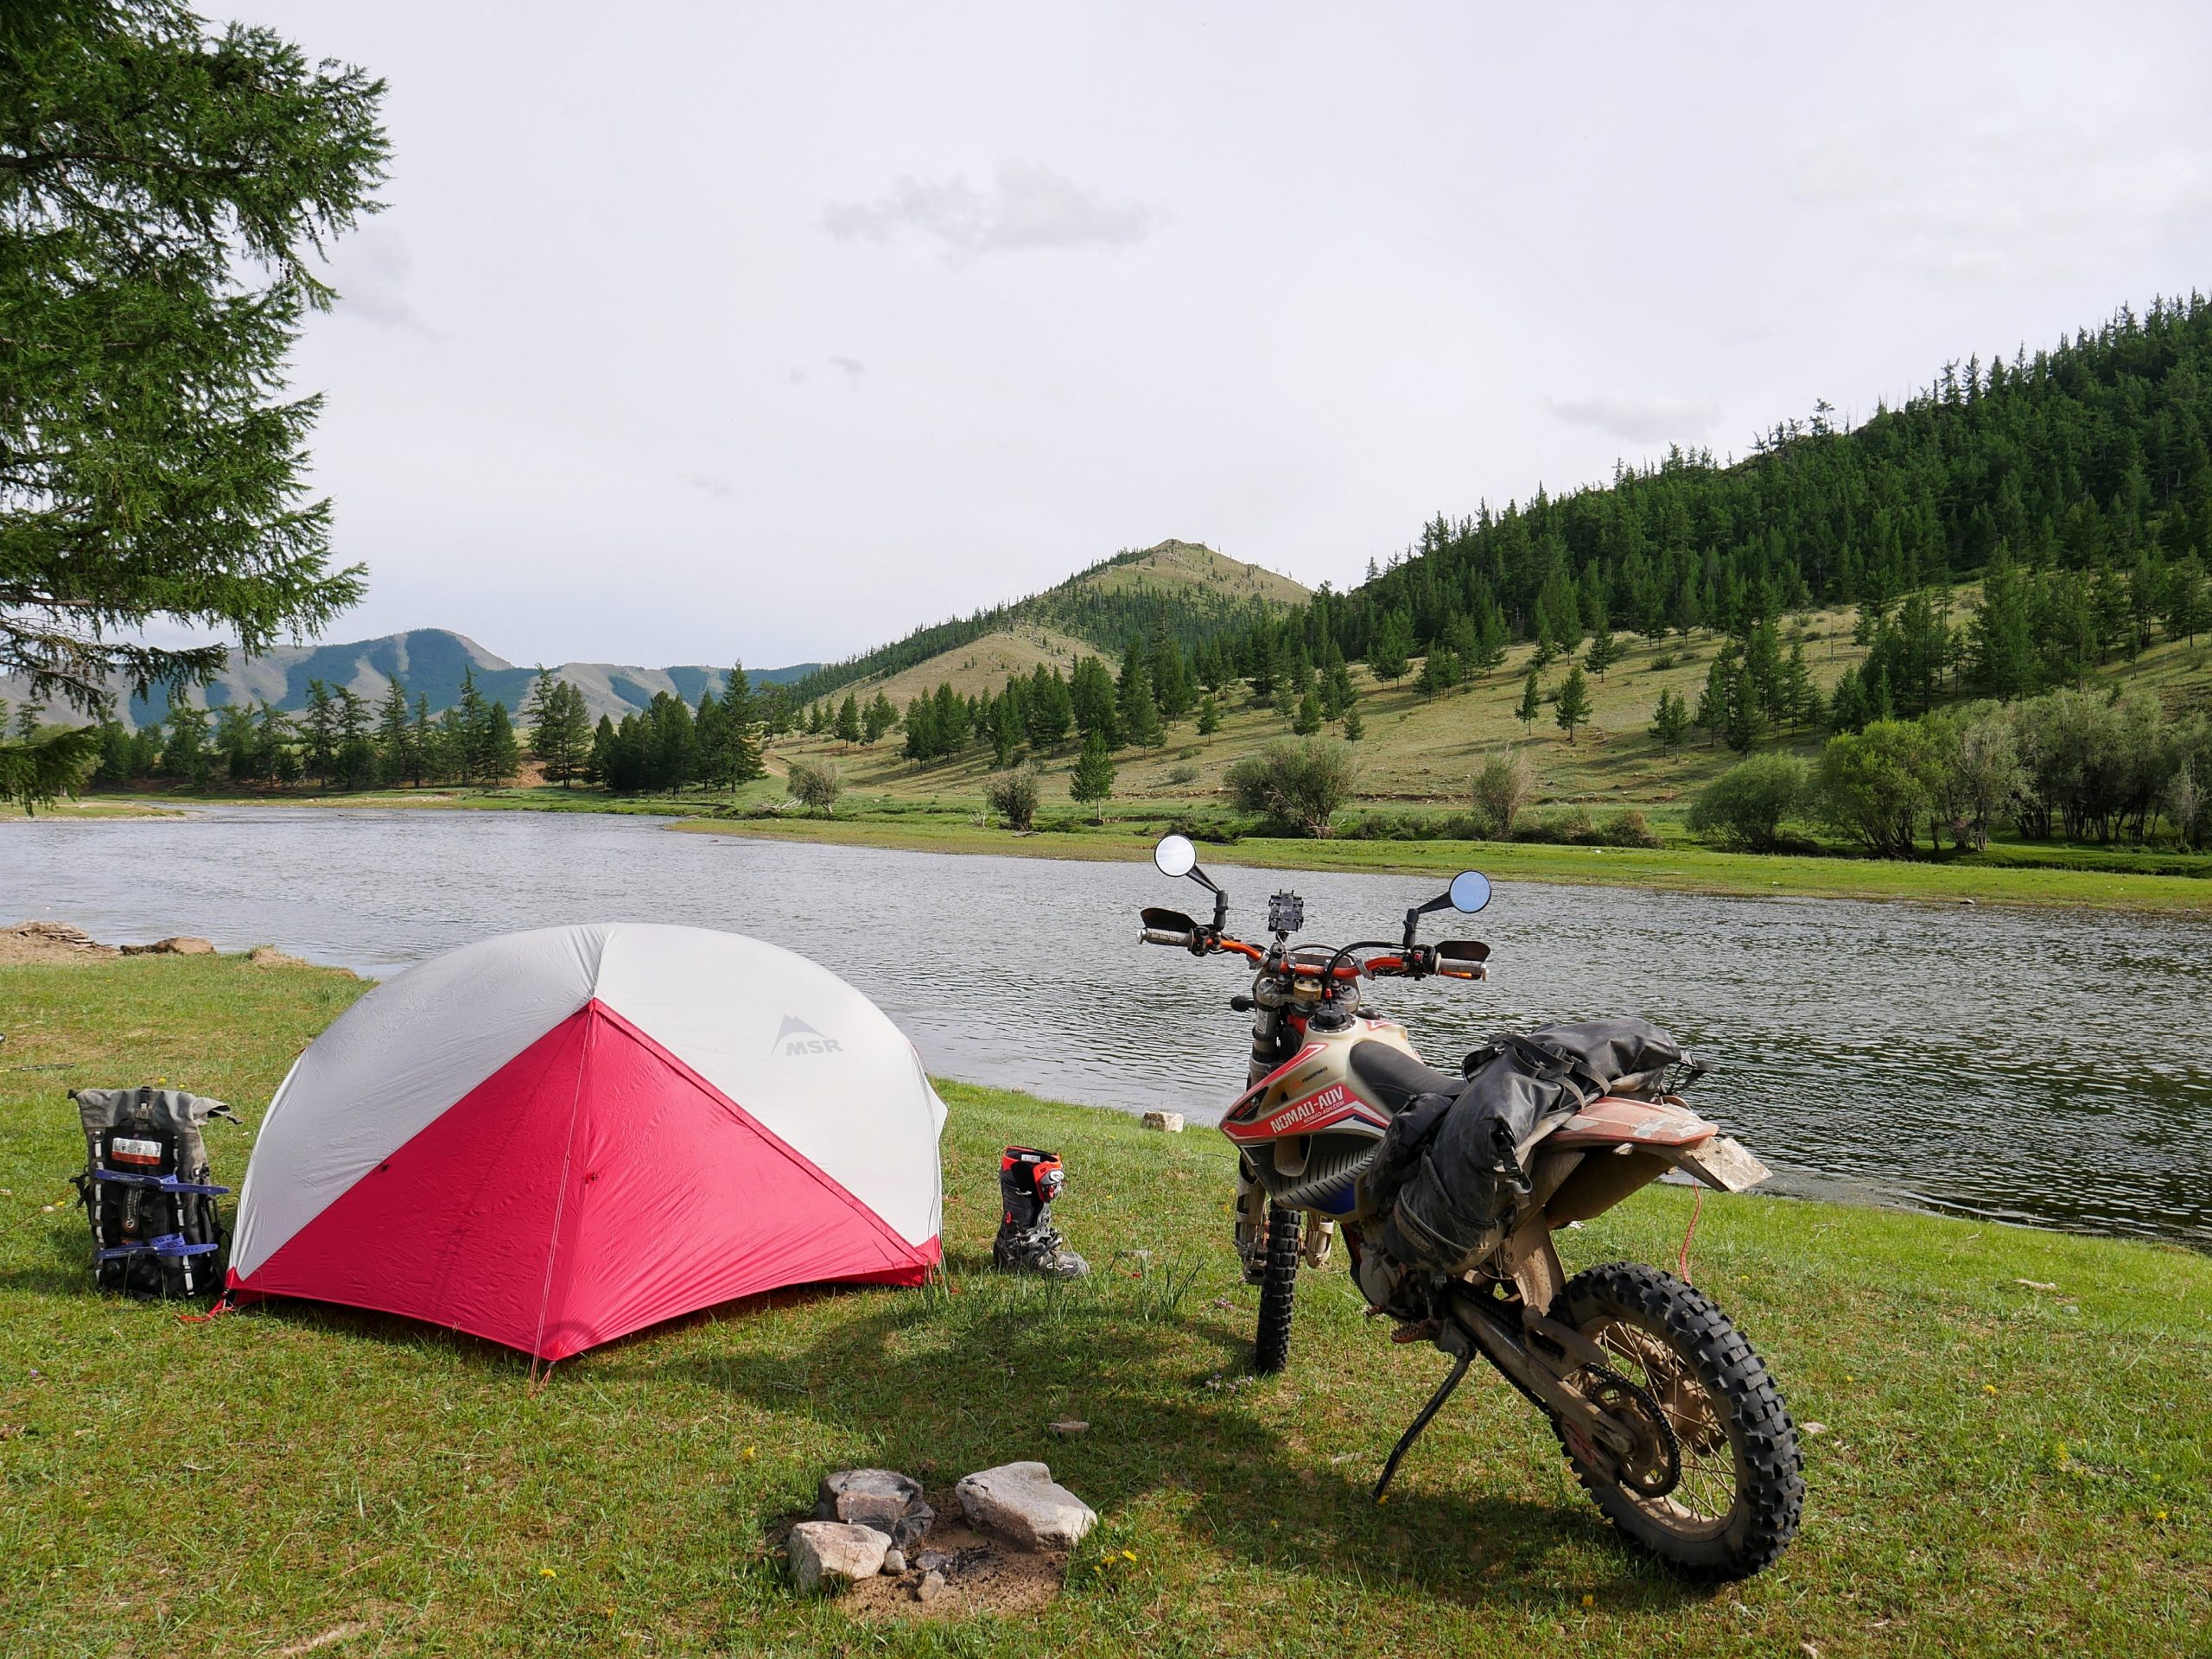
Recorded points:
(1175, 855)
(1470, 890)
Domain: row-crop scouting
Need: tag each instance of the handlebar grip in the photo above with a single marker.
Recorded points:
(1166, 936)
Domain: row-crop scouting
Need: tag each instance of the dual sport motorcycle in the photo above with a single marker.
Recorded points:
(1665, 1412)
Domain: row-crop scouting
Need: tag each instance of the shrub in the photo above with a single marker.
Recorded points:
(1013, 796)
(1745, 806)
(1874, 785)
(1178, 776)
(1663, 662)
(1628, 828)
(1300, 785)
(1570, 828)
(1506, 784)
(817, 784)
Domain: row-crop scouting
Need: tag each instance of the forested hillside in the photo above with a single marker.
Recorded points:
(2086, 467)
(1198, 593)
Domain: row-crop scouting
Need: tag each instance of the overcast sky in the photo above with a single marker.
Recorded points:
(773, 331)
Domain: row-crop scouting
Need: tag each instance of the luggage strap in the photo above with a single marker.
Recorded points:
(162, 1183)
(168, 1244)
(1550, 1064)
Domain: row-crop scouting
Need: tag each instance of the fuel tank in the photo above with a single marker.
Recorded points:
(1308, 1127)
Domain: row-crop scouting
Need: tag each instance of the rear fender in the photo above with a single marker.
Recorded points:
(1625, 1143)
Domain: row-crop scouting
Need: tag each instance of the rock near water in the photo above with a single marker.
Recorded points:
(1021, 1502)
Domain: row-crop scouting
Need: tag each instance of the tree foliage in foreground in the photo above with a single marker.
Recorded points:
(163, 188)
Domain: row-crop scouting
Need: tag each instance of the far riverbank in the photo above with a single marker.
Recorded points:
(2063, 877)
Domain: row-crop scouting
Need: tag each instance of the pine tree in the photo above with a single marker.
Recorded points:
(395, 733)
(1355, 727)
(1308, 721)
(173, 188)
(1718, 696)
(1440, 672)
(1173, 687)
(1093, 778)
(500, 754)
(877, 718)
(1532, 701)
(1135, 712)
(599, 766)
(849, 720)
(1849, 709)
(1797, 700)
(1670, 721)
(184, 749)
(1390, 652)
(1209, 715)
(2186, 607)
(1573, 708)
(319, 730)
(1490, 638)
(1603, 651)
(1091, 694)
(422, 750)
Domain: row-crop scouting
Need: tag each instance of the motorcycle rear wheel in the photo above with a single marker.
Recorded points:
(1278, 1289)
(1735, 1506)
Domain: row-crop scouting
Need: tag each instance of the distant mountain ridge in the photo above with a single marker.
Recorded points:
(430, 663)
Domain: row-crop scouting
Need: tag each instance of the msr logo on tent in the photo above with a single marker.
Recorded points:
(796, 1037)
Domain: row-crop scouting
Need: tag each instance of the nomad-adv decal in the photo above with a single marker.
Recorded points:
(1330, 1105)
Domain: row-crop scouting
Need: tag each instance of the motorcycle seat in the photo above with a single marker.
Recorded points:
(1396, 1079)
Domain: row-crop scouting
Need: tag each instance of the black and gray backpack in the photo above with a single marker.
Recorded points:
(146, 1188)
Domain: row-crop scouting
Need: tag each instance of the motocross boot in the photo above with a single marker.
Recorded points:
(1027, 1241)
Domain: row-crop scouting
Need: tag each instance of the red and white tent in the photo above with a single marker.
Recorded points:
(553, 1138)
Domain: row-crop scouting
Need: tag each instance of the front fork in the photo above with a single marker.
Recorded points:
(1252, 1227)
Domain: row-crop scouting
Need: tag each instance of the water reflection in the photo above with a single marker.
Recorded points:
(2033, 1065)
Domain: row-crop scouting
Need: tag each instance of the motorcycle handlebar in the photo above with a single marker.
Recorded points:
(1417, 965)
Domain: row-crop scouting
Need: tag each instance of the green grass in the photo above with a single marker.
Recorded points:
(2004, 1468)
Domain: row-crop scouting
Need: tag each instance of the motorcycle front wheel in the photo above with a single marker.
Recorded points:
(1718, 1492)
(1278, 1290)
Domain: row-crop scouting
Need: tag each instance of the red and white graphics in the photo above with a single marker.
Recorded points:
(552, 1139)
(1273, 1107)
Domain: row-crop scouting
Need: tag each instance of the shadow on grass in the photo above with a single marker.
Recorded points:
(939, 1388)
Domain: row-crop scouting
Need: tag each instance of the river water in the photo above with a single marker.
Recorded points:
(2032, 1065)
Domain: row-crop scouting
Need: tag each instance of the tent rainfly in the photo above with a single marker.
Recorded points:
(552, 1139)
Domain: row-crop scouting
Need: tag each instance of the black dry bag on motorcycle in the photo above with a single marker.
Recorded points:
(1448, 1182)
(147, 1190)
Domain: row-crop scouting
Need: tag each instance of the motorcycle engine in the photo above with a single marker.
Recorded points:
(1388, 1284)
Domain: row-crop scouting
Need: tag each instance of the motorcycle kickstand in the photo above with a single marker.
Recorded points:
(1435, 1404)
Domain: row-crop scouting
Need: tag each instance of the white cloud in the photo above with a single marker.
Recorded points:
(1641, 420)
(712, 484)
(852, 368)
(1031, 206)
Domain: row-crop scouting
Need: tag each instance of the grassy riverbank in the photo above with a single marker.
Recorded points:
(1986, 880)
(2008, 873)
(2015, 1455)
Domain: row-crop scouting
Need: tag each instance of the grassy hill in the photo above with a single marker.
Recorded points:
(1419, 753)
(1198, 592)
